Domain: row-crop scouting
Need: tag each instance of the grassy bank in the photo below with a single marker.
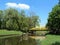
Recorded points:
(14, 38)
(51, 40)
(6, 32)
(9, 37)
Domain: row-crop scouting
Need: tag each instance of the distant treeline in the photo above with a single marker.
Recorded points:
(13, 19)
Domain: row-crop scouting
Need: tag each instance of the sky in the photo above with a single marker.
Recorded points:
(40, 7)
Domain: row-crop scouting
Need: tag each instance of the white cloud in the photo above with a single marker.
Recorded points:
(15, 5)
(11, 4)
(23, 6)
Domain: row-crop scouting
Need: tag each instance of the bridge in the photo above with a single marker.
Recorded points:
(33, 30)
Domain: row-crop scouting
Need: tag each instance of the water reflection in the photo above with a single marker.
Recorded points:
(30, 41)
(17, 41)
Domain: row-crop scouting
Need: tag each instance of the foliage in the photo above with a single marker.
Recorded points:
(1, 16)
(54, 20)
(15, 20)
(10, 19)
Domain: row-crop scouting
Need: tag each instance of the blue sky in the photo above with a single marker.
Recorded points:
(41, 7)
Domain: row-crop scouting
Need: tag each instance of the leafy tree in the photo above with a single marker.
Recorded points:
(28, 22)
(23, 21)
(1, 18)
(35, 19)
(53, 23)
(11, 18)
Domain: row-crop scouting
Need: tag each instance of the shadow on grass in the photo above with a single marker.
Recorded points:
(51, 33)
(56, 43)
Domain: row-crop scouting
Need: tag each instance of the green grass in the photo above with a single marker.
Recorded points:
(51, 40)
(6, 32)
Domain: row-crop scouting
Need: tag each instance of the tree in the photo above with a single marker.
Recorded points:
(53, 23)
(35, 19)
(1, 18)
(27, 22)
(11, 18)
(22, 20)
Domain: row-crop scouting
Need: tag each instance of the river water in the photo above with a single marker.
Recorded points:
(30, 41)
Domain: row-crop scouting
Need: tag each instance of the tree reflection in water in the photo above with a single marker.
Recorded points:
(30, 41)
